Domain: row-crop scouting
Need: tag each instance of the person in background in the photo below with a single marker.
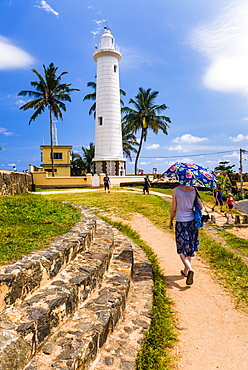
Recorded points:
(187, 240)
(218, 199)
(230, 203)
(106, 181)
(147, 185)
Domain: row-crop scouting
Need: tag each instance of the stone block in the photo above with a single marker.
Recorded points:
(14, 351)
(245, 219)
(237, 219)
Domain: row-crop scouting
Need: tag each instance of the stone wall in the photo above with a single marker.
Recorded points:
(59, 305)
(14, 183)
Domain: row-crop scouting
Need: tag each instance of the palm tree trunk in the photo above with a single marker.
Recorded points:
(51, 139)
(138, 152)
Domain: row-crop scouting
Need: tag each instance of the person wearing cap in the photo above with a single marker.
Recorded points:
(218, 199)
(147, 185)
(230, 203)
(106, 181)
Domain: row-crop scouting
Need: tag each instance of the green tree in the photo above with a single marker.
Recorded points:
(50, 93)
(88, 155)
(225, 166)
(77, 164)
(129, 142)
(145, 116)
(92, 96)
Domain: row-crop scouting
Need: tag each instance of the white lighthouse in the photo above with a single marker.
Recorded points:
(108, 133)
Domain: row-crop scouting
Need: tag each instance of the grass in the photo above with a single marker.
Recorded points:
(122, 205)
(30, 222)
(230, 269)
(235, 242)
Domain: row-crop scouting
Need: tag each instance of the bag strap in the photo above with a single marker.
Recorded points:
(198, 195)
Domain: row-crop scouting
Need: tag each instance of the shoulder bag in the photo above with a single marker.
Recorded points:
(199, 218)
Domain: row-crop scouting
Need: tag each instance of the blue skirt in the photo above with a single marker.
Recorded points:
(187, 239)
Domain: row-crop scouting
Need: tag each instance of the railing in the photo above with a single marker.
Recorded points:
(114, 46)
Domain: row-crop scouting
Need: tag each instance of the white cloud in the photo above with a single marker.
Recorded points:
(232, 155)
(177, 148)
(239, 137)
(152, 146)
(94, 33)
(99, 24)
(188, 139)
(134, 58)
(185, 160)
(21, 102)
(224, 42)
(12, 57)
(144, 163)
(5, 132)
(212, 162)
(43, 5)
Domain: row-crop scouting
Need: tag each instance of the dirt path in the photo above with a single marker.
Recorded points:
(212, 333)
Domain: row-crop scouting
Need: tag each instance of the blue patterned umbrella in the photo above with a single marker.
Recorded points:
(190, 174)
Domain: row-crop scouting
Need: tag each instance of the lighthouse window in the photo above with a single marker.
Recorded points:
(115, 68)
(100, 121)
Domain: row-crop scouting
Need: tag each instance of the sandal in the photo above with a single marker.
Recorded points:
(190, 277)
(182, 272)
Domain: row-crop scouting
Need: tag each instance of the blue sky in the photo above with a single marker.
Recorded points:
(193, 52)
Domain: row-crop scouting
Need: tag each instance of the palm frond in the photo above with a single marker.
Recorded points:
(145, 115)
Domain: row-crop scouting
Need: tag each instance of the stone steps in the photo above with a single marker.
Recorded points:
(60, 305)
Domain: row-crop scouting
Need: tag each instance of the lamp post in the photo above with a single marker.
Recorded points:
(241, 171)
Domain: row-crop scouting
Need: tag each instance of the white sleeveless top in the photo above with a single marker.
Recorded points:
(185, 202)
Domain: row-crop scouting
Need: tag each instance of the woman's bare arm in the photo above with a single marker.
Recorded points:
(173, 208)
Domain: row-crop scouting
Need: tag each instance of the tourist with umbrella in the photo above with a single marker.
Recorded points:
(183, 198)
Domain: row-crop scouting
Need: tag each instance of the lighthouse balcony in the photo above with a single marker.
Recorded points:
(113, 46)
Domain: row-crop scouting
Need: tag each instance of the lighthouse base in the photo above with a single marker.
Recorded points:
(111, 167)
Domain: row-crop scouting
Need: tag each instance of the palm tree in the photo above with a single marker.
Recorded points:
(92, 96)
(145, 116)
(88, 155)
(83, 164)
(51, 94)
(128, 141)
(77, 164)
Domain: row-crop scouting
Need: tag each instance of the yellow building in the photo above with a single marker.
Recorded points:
(62, 159)
(42, 176)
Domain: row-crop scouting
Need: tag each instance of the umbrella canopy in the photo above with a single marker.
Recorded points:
(190, 174)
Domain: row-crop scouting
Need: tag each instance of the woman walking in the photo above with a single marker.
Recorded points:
(187, 240)
(230, 203)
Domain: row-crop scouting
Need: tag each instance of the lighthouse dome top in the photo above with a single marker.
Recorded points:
(107, 44)
(107, 32)
(107, 40)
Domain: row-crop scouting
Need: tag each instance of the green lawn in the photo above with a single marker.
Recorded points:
(30, 222)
